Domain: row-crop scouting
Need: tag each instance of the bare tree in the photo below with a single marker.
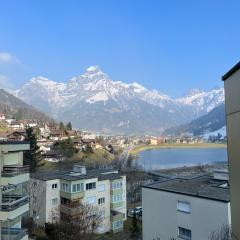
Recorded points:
(83, 225)
(223, 234)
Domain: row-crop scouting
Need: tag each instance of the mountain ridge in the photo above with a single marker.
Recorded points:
(95, 93)
(9, 104)
(204, 125)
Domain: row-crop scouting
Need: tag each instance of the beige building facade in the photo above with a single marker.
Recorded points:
(232, 101)
(61, 193)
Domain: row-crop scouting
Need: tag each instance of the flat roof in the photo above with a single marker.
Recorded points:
(231, 71)
(70, 175)
(204, 186)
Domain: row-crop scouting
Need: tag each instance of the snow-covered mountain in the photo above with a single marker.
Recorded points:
(92, 101)
(206, 125)
(221, 133)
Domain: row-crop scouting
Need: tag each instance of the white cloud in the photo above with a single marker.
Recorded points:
(6, 57)
(5, 82)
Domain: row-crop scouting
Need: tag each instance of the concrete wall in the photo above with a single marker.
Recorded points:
(38, 201)
(232, 99)
(105, 208)
(162, 219)
(51, 209)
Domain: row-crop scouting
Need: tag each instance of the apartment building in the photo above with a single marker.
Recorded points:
(232, 102)
(14, 192)
(186, 208)
(61, 193)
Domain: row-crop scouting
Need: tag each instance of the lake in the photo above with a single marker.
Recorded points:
(179, 157)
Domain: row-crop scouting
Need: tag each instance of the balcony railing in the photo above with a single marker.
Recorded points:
(12, 202)
(13, 170)
(13, 233)
(71, 210)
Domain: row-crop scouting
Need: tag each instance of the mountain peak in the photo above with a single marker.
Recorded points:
(39, 78)
(93, 70)
(193, 92)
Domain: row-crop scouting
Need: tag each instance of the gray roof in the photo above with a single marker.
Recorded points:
(204, 186)
(231, 71)
(69, 175)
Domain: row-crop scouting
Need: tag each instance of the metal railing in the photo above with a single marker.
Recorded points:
(13, 233)
(12, 202)
(13, 170)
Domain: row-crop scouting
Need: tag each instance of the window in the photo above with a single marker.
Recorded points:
(90, 186)
(117, 198)
(65, 187)
(79, 187)
(101, 201)
(101, 187)
(117, 185)
(74, 188)
(54, 186)
(117, 224)
(183, 206)
(184, 233)
(91, 200)
(54, 201)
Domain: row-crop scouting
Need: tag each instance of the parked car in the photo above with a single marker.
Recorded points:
(136, 211)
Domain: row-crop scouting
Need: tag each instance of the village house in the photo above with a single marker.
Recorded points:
(2, 116)
(157, 140)
(19, 135)
(53, 156)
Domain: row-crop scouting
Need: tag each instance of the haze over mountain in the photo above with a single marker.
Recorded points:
(11, 105)
(92, 101)
(205, 125)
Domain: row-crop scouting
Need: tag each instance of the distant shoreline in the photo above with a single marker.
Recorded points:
(136, 150)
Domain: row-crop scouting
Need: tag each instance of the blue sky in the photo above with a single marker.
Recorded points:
(169, 45)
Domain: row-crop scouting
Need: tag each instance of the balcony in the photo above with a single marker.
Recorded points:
(116, 216)
(71, 210)
(14, 170)
(11, 202)
(116, 191)
(14, 174)
(117, 205)
(13, 234)
(13, 206)
(116, 221)
(72, 196)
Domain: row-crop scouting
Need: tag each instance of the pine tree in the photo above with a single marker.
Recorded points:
(66, 147)
(61, 126)
(32, 157)
(69, 126)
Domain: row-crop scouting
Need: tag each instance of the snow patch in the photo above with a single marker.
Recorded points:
(99, 97)
(221, 131)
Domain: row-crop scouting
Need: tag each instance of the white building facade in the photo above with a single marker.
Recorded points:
(190, 209)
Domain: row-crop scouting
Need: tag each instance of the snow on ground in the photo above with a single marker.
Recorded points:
(221, 131)
(101, 96)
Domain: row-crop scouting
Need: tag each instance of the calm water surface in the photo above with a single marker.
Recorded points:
(180, 157)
